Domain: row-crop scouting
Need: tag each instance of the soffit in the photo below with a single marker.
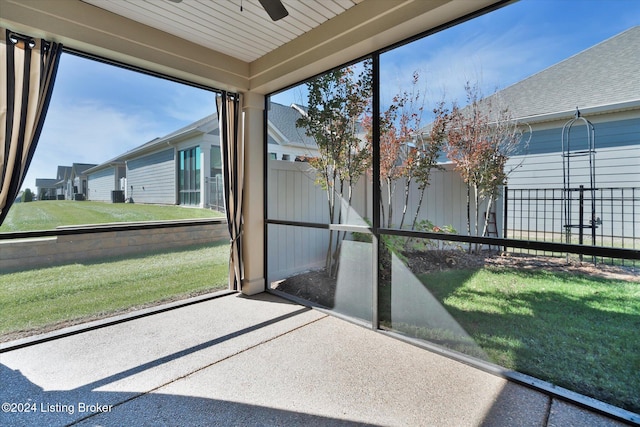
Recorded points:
(315, 36)
(238, 28)
(192, 39)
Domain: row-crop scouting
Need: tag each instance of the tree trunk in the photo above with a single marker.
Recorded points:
(485, 228)
(407, 188)
(389, 203)
(469, 214)
(415, 217)
(476, 226)
(331, 197)
(335, 258)
(381, 207)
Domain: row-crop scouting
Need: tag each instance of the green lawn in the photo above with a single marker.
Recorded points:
(48, 214)
(578, 332)
(41, 299)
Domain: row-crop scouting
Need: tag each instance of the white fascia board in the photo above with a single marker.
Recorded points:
(276, 134)
(595, 110)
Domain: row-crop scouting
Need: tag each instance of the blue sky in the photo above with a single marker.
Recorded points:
(500, 48)
(504, 47)
(98, 112)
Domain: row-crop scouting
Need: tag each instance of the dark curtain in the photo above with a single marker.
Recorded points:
(28, 69)
(232, 146)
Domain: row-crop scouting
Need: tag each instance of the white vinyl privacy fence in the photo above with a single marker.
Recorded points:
(293, 195)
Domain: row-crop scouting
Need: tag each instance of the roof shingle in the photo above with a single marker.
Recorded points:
(605, 74)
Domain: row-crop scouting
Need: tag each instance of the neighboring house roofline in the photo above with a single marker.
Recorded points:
(153, 145)
(104, 166)
(588, 111)
(282, 121)
(280, 136)
(48, 182)
(579, 80)
(203, 126)
(63, 172)
(80, 168)
(300, 109)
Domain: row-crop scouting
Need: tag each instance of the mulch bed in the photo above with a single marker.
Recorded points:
(317, 287)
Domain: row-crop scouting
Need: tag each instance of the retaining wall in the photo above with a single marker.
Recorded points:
(49, 251)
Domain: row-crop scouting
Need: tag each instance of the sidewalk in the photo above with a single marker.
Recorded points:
(262, 360)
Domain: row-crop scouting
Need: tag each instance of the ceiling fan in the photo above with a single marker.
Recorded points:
(274, 8)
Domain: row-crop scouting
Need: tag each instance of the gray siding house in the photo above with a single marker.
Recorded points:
(184, 167)
(104, 179)
(603, 82)
(175, 169)
(151, 178)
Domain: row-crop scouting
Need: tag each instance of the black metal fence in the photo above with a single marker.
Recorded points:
(607, 217)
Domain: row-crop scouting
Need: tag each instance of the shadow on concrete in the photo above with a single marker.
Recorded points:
(30, 405)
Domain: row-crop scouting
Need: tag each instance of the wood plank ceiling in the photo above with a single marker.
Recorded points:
(221, 25)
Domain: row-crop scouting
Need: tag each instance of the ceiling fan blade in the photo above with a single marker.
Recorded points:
(274, 8)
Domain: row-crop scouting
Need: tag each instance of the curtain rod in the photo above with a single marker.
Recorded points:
(16, 38)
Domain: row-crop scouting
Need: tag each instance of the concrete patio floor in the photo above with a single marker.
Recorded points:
(259, 360)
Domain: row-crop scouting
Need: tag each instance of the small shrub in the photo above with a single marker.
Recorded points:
(27, 196)
(414, 244)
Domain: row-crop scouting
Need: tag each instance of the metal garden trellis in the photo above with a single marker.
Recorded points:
(570, 153)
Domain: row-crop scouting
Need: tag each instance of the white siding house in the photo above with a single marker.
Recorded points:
(79, 186)
(63, 184)
(285, 141)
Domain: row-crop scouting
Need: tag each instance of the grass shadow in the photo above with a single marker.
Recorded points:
(42, 300)
(574, 331)
(124, 257)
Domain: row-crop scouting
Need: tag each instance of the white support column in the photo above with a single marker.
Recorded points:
(253, 201)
